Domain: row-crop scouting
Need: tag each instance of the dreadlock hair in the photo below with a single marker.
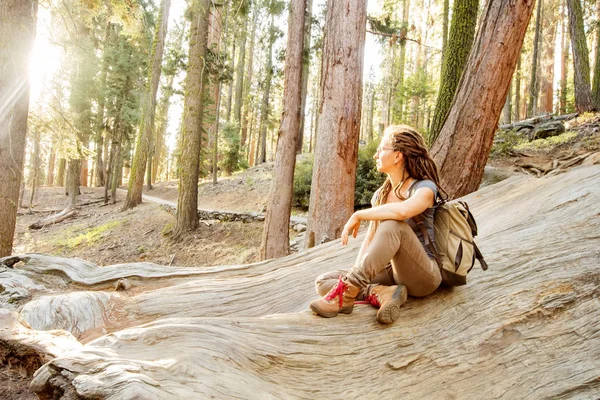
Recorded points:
(417, 161)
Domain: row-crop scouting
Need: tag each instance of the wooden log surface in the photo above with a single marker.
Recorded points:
(529, 327)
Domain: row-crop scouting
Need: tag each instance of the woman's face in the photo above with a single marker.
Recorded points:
(386, 157)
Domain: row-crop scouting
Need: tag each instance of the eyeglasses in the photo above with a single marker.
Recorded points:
(383, 148)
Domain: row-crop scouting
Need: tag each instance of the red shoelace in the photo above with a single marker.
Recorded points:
(338, 290)
(370, 299)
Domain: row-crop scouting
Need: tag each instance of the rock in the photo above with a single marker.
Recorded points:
(300, 228)
(493, 175)
(546, 130)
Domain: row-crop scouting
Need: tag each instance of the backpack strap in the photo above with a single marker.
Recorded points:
(428, 242)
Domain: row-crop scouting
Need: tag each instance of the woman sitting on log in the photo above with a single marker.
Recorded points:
(411, 189)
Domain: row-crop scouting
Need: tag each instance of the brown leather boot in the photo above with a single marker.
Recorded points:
(340, 299)
(388, 299)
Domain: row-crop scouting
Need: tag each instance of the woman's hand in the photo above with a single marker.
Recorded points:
(351, 227)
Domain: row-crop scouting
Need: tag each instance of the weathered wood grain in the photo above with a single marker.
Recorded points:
(529, 327)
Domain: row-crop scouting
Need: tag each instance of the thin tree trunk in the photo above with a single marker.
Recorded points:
(534, 85)
(401, 61)
(146, 132)
(35, 167)
(581, 62)
(239, 81)
(187, 201)
(445, 12)
(596, 80)
(506, 114)
(248, 80)
(264, 109)
(230, 85)
(564, 60)
(462, 32)
(305, 72)
(464, 144)
(100, 124)
(51, 162)
(60, 175)
(518, 89)
(73, 176)
(17, 33)
(339, 124)
(161, 129)
(370, 116)
(213, 87)
(549, 21)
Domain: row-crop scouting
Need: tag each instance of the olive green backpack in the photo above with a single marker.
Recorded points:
(455, 250)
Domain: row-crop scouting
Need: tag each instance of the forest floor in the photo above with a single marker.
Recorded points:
(104, 234)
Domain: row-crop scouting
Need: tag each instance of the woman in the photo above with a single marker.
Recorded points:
(411, 189)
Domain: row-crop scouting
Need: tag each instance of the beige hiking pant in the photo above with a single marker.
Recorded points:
(410, 265)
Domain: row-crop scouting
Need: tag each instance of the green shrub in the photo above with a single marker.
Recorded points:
(367, 178)
(302, 179)
(505, 142)
(231, 155)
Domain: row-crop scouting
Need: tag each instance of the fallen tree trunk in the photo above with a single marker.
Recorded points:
(55, 219)
(529, 326)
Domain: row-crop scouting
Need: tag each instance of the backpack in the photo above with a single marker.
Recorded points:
(454, 250)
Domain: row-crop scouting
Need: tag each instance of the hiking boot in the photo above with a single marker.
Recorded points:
(340, 299)
(388, 299)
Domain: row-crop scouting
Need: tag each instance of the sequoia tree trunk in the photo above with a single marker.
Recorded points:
(276, 233)
(187, 200)
(17, 33)
(465, 140)
(334, 169)
(534, 85)
(462, 32)
(581, 61)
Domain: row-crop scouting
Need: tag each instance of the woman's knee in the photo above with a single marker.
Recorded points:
(392, 225)
(325, 282)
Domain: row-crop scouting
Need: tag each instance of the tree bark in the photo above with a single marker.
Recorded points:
(445, 18)
(73, 176)
(596, 80)
(534, 85)
(100, 124)
(276, 233)
(518, 89)
(401, 62)
(549, 21)
(334, 169)
(51, 162)
(239, 81)
(60, 175)
(264, 109)
(249, 70)
(36, 165)
(187, 200)
(17, 33)
(462, 32)
(564, 60)
(213, 86)
(581, 62)
(506, 112)
(305, 72)
(465, 140)
(146, 133)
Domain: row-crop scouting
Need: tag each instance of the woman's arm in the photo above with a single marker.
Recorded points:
(400, 211)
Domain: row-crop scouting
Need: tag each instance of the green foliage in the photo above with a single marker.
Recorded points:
(302, 180)
(548, 143)
(368, 179)
(69, 242)
(230, 141)
(505, 142)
